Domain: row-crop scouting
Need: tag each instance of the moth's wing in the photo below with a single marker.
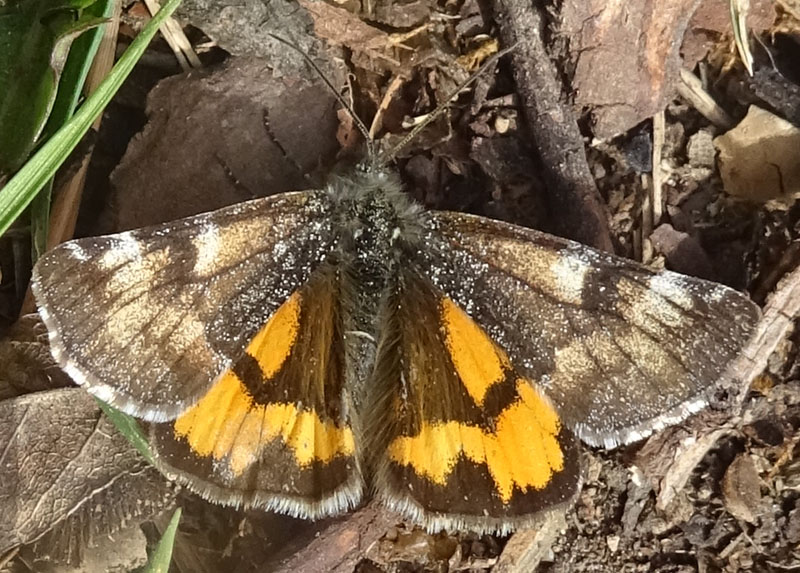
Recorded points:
(620, 349)
(274, 430)
(460, 439)
(147, 320)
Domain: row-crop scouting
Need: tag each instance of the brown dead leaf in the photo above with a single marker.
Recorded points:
(405, 14)
(712, 20)
(221, 138)
(344, 28)
(473, 60)
(683, 252)
(414, 545)
(627, 72)
(762, 384)
(65, 466)
(27, 365)
(741, 489)
(125, 550)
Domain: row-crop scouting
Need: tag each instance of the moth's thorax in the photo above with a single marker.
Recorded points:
(374, 219)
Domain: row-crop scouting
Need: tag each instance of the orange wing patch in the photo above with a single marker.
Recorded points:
(478, 362)
(522, 452)
(273, 343)
(227, 423)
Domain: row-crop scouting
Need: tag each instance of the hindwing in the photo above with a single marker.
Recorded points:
(460, 439)
(274, 431)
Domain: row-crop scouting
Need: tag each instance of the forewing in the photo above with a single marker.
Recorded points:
(621, 350)
(461, 439)
(274, 431)
(147, 320)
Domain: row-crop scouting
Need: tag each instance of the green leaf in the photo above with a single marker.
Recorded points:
(27, 84)
(20, 190)
(70, 88)
(162, 555)
(37, 40)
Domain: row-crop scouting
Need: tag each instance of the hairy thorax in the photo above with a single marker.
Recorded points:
(376, 223)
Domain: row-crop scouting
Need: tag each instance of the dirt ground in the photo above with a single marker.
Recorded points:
(603, 125)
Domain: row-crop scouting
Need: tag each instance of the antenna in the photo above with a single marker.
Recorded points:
(344, 103)
(385, 158)
(379, 159)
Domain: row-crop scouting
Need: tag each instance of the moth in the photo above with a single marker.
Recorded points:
(303, 351)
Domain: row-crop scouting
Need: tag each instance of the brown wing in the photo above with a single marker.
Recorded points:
(147, 320)
(621, 350)
(274, 430)
(461, 440)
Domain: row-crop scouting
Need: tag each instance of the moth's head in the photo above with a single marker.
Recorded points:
(377, 158)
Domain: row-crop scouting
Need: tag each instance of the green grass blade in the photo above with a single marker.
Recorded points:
(23, 187)
(79, 61)
(739, 10)
(128, 427)
(162, 555)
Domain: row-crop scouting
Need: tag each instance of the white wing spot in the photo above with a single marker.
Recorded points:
(124, 248)
(672, 287)
(666, 299)
(207, 244)
(76, 251)
(718, 293)
(569, 276)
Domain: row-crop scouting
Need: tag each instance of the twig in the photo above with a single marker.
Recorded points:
(341, 546)
(5, 559)
(646, 246)
(691, 89)
(177, 40)
(778, 320)
(377, 121)
(572, 191)
(659, 134)
(528, 547)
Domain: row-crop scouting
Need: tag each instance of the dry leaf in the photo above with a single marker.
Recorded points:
(64, 465)
(125, 551)
(741, 489)
(341, 27)
(27, 363)
(683, 252)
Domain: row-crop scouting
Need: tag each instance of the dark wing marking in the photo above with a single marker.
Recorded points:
(621, 350)
(274, 431)
(147, 320)
(460, 439)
